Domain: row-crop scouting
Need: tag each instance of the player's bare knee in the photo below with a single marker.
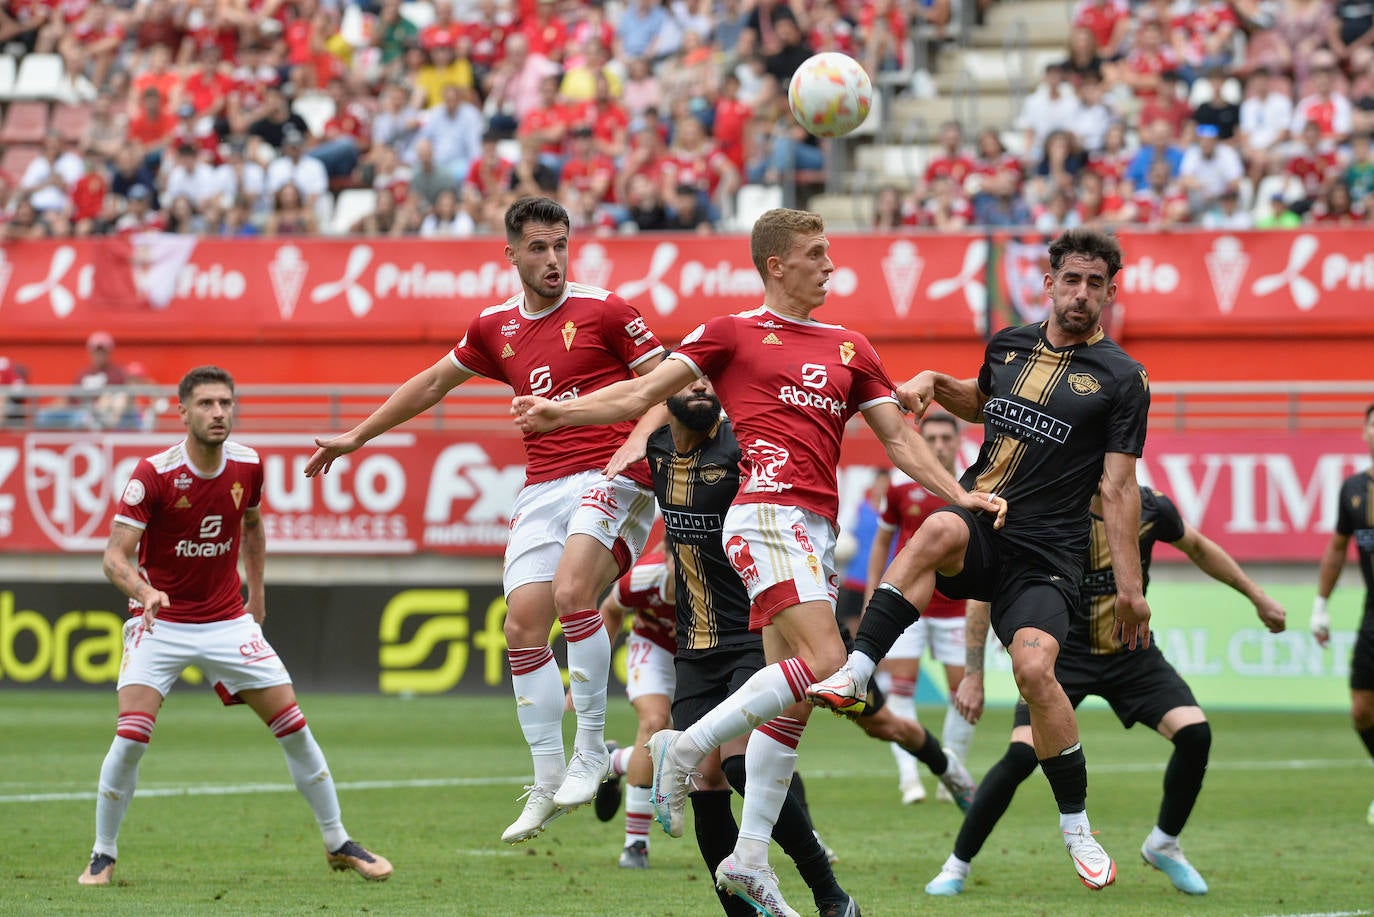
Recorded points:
(521, 633)
(650, 723)
(574, 593)
(824, 659)
(1035, 678)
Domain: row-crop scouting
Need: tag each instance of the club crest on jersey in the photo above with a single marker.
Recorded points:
(771, 338)
(569, 332)
(507, 352)
(712, 474)
(237, 493)
(182, 503)
(846, 352)
(182, 481)
(1084, 384)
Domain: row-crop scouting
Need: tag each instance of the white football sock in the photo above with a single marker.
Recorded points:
(769, 762)
(957, 733)
(767, 693)
(589, 667)
(539, 708)
(310, 773)
(639, 813)
(118, 779)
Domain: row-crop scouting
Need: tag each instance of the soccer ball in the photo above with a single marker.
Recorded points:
(830, 94)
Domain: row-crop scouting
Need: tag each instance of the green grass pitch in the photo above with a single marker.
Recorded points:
(1280, 828)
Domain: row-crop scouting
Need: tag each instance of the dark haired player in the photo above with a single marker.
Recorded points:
(1063, 409)
(585, 510)
(1354, 519)
(181, 524)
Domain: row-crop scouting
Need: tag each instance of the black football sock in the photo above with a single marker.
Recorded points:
(1367, 736)
(1067, 773)
(716, 833)
(796, 836)
(888, 614)
(931, 754)
(994, 795)
(1183, 777)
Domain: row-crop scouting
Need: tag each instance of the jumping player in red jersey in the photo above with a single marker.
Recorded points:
(188, 512)
(586, 508)
(905, 506)
(790, 384)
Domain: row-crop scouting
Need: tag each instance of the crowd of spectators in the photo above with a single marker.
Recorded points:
(1229, 115)
(650, 114)
(636, 114)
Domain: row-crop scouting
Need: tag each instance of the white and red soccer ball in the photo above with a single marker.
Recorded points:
(830, 94)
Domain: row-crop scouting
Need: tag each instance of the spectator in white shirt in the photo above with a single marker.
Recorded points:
(190, 177)
(48, 177)
(1094, 115)
(1328, 109)
(1209, 167)
(238, 177)
(447, 220)
(454, 130)
(1226, 213)
(1050, 108)
(294, 168)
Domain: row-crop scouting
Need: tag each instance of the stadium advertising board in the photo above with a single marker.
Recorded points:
(913, 286)
(1262, 497)
(428, 641)
(339, 637)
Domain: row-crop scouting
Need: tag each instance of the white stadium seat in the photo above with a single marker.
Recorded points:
(351, 205)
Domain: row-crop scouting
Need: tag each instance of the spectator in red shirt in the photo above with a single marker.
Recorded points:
(1168, 104)
(1325, 106)
(153, 125)
(1109, 21)
(1150, 58)
(93, 41)
(1314, 163)
(549, 122)
(444, 31)
(586, 170)
(157, 74)
(607, 118)
(731, 118)
(950, 162)
(697, 162)
(546, 32)
(1336, 208)
(88, 195)
(347, 134)
(209, 85)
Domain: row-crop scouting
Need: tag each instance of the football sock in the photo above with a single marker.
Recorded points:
(932, 755)
(539, 708)
(793, 831)
(767, 693)
(769, 760)
(955, 865)
(589, 666)
(1183, 777)
(888, 614)
(310, 773)
(901, 700)
(620, 761)
(1067, 773)
(716, 832)
(957, 732)
(994, 795)
(1367, 736)
(797, 790)
(639, 812)
(119, 777)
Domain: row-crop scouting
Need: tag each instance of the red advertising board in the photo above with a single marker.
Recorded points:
(892, 286)
(1261, 497)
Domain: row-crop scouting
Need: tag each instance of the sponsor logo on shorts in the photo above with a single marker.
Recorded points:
(602, 500)
(737, 549)
(803, 539)
(256, 650)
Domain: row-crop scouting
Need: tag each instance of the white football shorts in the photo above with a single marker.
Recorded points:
(233, 654)
(618, 513)
(944, 637)
(784, 555)
(648, 668)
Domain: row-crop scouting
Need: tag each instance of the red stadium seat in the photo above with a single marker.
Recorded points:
(70, 121)
(16, 159)
(25, 122)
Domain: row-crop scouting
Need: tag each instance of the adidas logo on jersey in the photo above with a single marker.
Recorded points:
(183, 503)
(772, 338)
(507, 352)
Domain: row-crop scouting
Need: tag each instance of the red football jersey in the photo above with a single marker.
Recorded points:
(905, 506)
(641, 591)
(789, 388)
(191, 528)
(589, 340)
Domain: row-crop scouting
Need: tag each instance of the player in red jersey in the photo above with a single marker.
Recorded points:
(585, 511)
(647, 592)
(182, 521)
(790, 384)
(941, 626)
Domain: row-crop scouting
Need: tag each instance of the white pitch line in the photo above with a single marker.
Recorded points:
(239, 789)
(1325, 914)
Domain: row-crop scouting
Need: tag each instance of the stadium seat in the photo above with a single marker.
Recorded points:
(316, 108)
(16, 159)
(8, 69)
(353, 26)
(420, 13)
(751, 202)
(70, 121)
(352, 205)
(25, 122)
(41, 76)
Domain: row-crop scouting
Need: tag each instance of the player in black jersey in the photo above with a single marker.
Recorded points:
(1063, 409)
(694, 461)
(1354, 518)
(1141, 687)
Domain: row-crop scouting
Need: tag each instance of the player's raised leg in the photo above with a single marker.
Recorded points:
(277, 707)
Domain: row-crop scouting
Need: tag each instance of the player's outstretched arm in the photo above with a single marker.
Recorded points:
(417, 394)
(909, 452)
(254, 555)
(961, 397)
(636, 445)
(1121, 516)
(621, 401)
(1212, 559)
(1328, 572)
(120, 565)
